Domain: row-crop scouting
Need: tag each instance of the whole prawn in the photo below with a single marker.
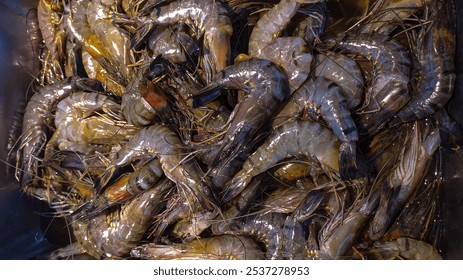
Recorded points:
(38, 117)
(161, 142)
(295, 138)
(267, 87)
(404, 179)
(322, 98)
(208, 19)
(290, 53)
(221, 247)
(388, 91)
(117, 233)
(435, 59)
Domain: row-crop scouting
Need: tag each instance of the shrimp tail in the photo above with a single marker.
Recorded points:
(347, 160)
(206, 95)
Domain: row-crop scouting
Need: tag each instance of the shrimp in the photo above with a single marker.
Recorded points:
(405, 248)
(49, 19)
(117, 233)
(339, 235)
(126, 187)
(312, 26)
(80, 126)
(298, 137)
(161, 142)
(174, 44)
(95, 71)
(221, 247)
(344, 72)
(207, 18)
(263, 42)
(404, 179)
(78, 30)
(435, 59)
(322, 98)
(267, 88)
(390, 14)
(388, 91)
(267, 229)
(38, 117)
(115, 40)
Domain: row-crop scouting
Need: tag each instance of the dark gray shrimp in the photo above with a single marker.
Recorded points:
(322, 98)
(388, 91)
(220, 247)
(117, 233)
(404, 179)
(266, 87)
(207, 18)
(344, 72)
(161, 142)
(38, 117)
(295, 138)
(435, 58)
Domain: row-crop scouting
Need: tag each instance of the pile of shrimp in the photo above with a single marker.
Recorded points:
(208, 129)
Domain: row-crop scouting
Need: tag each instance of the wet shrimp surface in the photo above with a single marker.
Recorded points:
(241, 130)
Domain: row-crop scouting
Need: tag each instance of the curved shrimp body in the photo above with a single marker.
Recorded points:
(79, 128)
(322, 98)
(388, 91)
(344, 72)
(220, 247)
(266, 229)
(435, 58)
(291, 52)
(115, 40)
(296, 138)
(272, 23)
(163, 143)
(79, 31)
(404, 179)
(207, 18)
(38, 116)
(267, 87)
(49, 18)
(116, 233)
